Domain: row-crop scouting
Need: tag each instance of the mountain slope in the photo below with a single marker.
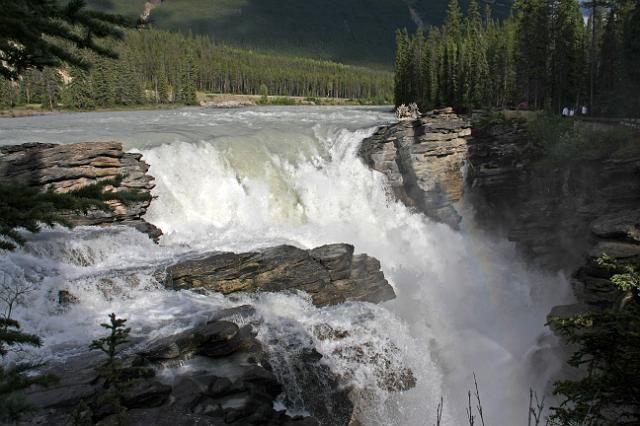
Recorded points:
(349, 31)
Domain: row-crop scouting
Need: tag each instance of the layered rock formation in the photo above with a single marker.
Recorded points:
(423, 160)
(67, 167)
(331, 274)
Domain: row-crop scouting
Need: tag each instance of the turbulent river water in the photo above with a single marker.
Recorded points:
(245, 179)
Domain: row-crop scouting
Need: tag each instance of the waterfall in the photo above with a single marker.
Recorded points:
(256, 178)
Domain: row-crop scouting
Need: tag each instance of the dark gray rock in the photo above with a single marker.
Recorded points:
(230, 387)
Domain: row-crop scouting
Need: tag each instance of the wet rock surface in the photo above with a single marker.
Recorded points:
(331, 274)
(423, 160)
(216, 373)
(66, 167)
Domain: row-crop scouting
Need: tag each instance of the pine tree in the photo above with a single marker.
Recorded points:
(103, 83)
(51, 88)
(476, 66)
(27, 207)
(566, 54)
(6, 94)
(402, 68)
(162, 86)
(186, 93)
(111, 369)
(79, 92)
(118, 336)
(37, 34)
(453, 22)
(607, 343)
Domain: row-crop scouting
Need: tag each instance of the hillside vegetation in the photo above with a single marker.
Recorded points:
(165, 68)
(347, 31)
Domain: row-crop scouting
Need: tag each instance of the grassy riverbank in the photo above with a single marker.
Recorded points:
(211, 100)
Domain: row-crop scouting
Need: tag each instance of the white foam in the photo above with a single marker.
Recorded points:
(465, 304)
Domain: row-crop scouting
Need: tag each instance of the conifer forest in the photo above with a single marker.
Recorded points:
(546, 55)
(169, 68)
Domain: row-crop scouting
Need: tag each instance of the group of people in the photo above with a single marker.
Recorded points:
(570, 111)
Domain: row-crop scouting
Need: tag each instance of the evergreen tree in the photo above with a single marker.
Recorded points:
(532, 38)
(402, 68)
(79, 92)
(104, 83)
(51, 88)
(476, 67)
(567, 60)
(607, 344)
(162, 86)
(453, 21)
(186, 93)
(38, 33)
(111, 369)
(26, 207)
(264, 94)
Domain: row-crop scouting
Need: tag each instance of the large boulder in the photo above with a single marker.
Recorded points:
(64, 168)
(331, 274)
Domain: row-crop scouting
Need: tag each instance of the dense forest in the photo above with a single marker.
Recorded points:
(161, 67)
(545, 56)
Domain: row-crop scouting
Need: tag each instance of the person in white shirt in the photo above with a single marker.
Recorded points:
(565, 112)
(572, 112)
(584, 110)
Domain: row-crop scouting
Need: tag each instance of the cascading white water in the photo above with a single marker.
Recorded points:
(239, 180)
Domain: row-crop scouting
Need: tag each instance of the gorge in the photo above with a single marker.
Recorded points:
(294, 193)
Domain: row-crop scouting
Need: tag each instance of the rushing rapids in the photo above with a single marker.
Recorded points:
(242, 180)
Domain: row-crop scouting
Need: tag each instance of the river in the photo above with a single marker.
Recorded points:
(244, 179)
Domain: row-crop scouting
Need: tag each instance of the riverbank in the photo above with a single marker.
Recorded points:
(210, 100)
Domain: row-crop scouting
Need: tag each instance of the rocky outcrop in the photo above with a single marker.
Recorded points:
(228, 380)
(64, 168)
(558, 212)
(423, 160)
(331, 274)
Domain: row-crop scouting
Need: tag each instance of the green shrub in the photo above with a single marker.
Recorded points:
(608, 355)
(564, 140)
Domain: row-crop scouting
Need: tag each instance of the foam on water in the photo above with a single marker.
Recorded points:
(246, 179)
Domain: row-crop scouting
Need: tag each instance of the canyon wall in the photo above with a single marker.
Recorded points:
(560, 214)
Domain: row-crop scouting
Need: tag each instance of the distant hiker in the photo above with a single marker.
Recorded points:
(565, 112)
(572, 112)
(584, 110)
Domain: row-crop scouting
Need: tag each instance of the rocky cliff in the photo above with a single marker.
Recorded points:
(63, 168)
(561, 214)
(556, 211)
(423, 160)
